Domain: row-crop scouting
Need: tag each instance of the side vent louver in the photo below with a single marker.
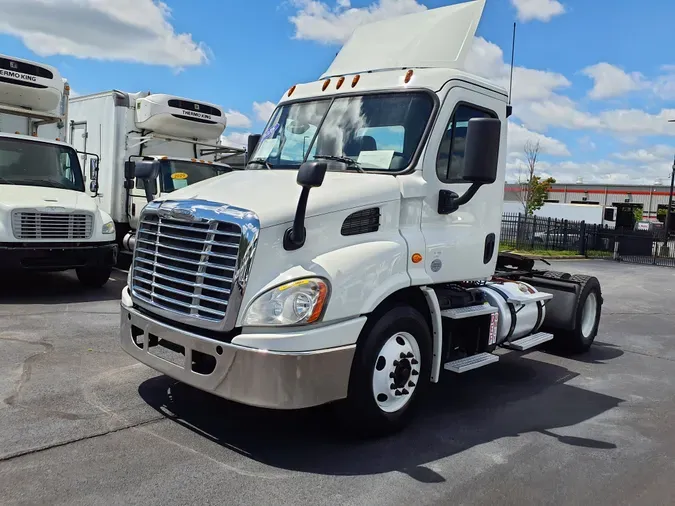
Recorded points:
(362, 222)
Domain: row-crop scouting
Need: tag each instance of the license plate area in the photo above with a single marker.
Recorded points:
(167, 351)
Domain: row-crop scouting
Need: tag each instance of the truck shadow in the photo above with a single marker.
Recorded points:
(56, 288)
(507, 399)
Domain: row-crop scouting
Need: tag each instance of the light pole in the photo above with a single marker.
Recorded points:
(670, 198)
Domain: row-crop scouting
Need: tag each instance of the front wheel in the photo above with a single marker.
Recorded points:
(390, 372)
(93, 277)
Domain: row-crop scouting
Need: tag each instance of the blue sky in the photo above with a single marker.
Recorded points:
(594, 83)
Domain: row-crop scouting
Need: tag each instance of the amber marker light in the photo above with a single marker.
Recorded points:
(416, 258)
(355, 80)
(290, 92)
(339, 83)
(408, 76)
(325, 84)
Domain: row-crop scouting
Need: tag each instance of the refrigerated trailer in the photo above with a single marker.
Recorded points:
(356, 259)
(48, 221)
(181, 135)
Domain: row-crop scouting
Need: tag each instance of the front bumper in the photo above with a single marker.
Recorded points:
(47, 256)
(279, 380)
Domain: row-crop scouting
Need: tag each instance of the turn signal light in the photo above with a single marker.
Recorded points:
(416, 258)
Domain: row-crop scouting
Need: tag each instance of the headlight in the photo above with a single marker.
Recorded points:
(108, 228)
(296, 303)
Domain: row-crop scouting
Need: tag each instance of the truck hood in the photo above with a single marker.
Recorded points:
(36, 197)
(273, 194)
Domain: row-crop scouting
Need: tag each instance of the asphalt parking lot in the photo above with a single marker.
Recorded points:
(82, 423)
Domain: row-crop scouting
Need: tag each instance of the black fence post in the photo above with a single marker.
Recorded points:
(548, 232)
(582, 239)
(534, 231)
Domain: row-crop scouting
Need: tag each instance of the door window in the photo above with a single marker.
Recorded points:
(450, 159)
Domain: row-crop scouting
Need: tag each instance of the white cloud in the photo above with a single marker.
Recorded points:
(236, 119)
(127, 30)
(264, 110)
(660, 153)
(518, 135)
(540, 10)
(316, 20)
(487, 60)
(610, 81)
(235, 139)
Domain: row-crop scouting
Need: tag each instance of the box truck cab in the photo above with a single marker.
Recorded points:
(356, 259)
(48, 221)
(179, 137)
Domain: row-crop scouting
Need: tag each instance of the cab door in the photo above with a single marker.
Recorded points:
(461, 245)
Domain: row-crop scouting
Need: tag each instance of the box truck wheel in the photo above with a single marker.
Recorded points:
(586, 316)
(389, 373)
(94, 277)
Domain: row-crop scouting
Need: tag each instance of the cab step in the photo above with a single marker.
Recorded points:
(525, 343)
(468, 311)
(472, 362)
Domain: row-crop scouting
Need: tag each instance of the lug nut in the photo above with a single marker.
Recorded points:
(409, 355)
(391, 375)
(414, 361)
(414, 372)
(398, 393)
(395, 363)
(411, 384)
(403, 355)
(405, 392)
(392, 386)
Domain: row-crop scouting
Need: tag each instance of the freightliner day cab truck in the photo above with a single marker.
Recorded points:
(182, 135)
(48, 221)
(356, 259)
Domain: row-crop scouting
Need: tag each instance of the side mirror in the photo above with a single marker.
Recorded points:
(253, 141)
(93, 168)
(481, 162)
(93, 187)
(147, 170)
(481, 152)
(310, 175)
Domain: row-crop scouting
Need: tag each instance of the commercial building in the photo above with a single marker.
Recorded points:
(625, 198)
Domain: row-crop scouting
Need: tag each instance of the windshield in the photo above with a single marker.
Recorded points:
(379, 132)
(177, 174)
(32, 163)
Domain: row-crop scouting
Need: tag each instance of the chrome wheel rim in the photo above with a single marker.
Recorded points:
(396, 372)
(588, 314)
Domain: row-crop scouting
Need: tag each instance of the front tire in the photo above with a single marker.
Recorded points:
(390, 372)
(93, 277)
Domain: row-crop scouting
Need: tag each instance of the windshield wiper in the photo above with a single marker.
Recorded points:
(261, 161)
(344, 159)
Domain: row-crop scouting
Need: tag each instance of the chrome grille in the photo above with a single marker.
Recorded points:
(36, 225)
(185, 267)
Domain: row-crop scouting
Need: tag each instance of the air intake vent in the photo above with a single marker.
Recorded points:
(362, 222)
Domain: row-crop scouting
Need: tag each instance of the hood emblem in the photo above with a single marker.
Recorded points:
(177, 213)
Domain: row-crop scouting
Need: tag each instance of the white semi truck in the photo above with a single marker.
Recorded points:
(48, 222)
(356, 259)
(182, 135)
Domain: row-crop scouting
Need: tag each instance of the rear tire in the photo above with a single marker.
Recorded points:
(93, 277)
(390, 373)
(586, 315)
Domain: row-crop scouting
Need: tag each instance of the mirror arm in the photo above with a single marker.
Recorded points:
(449, 201)
(294, 238)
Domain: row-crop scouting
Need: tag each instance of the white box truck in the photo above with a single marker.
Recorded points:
(48, 221)
(356, 257)
(182, 135)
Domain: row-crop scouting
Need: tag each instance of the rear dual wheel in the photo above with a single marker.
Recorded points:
(390, 372)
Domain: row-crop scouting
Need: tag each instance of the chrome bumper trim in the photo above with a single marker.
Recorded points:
(278, 380)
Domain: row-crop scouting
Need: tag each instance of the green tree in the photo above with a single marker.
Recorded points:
(533, 189)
